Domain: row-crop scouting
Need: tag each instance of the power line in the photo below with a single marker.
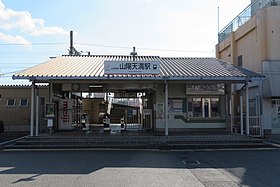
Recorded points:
(113, 46)
(141, 48)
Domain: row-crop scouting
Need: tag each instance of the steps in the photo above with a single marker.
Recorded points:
(140, 142)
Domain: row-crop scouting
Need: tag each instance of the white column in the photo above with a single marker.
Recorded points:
(166, 108)
(247, 109)
(32, 109)
(231, 112)
(241, 114)
(37, 116)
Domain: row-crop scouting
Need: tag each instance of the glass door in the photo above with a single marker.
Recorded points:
(206, 109)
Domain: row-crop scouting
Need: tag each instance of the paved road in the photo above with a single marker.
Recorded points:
(140, 168)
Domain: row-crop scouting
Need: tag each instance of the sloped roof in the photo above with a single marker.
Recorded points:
(92, 67)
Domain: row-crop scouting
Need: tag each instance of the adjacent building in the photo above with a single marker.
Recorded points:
(252, 41)
(15, 105)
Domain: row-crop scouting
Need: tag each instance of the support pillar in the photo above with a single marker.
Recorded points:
(32, 109)
(166, 108)
(241, 114)
(247, 110)
(37, 116)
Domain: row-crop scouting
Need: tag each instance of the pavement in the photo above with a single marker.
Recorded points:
(229, 168)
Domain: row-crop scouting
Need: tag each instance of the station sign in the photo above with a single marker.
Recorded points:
(132, 67)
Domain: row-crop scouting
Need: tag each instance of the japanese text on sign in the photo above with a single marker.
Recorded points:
(128, 67)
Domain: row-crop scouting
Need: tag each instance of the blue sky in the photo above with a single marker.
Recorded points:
(32, 31)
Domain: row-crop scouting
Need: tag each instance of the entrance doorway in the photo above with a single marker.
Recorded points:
(205, 107)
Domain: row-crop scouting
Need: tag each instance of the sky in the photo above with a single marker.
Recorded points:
(32, 31)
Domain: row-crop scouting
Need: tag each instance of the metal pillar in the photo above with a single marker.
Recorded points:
(37, 116)
(166, 108)
(241, 114)
(247, 110)
(32, 109)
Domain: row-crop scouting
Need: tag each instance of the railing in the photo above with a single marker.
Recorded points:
(245, 16)
(255, 128)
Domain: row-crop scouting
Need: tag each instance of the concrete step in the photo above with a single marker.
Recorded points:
(139, 146)
(140, 142)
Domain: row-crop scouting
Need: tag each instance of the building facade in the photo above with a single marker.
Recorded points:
(15, 105)
(251, 41)
(176, 94)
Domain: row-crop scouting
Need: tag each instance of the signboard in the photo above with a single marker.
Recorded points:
(125, 95)
(131, 67)
(205, 89)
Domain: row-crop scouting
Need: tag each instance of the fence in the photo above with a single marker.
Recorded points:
(255, 128)
(245, 16)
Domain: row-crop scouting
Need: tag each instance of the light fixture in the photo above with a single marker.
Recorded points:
(95, 86)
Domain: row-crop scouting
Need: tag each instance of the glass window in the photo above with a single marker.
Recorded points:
(197, 108)
(205, 107)
(23, 102)
(215, 112)
(11, 102)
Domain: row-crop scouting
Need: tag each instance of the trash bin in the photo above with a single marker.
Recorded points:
(2, 128)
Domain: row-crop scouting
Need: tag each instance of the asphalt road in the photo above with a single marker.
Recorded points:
(140, 168)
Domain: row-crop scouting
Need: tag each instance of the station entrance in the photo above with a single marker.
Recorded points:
(96, 111)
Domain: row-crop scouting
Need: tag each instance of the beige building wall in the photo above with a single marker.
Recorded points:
(258, 41)
(17, 118)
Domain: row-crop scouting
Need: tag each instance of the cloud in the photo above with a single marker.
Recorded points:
(24, 22)
(13, 39)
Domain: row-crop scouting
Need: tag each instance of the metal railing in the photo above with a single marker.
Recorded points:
(245, 16)
(255, 128)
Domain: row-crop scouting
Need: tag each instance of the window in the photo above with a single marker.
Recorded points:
(204, 107)
(239, 61)
(11, 102)
(23, 102)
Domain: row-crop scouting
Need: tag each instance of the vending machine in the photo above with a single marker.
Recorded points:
(65, 114)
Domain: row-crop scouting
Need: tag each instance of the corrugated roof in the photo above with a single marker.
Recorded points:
(92, 67)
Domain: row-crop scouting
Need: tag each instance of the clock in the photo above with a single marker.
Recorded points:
(75, 87)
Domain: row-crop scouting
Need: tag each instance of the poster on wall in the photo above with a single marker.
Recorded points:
(175, 105)
(160, 111)
(50, 108)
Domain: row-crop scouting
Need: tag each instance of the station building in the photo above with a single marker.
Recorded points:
(162, 95)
